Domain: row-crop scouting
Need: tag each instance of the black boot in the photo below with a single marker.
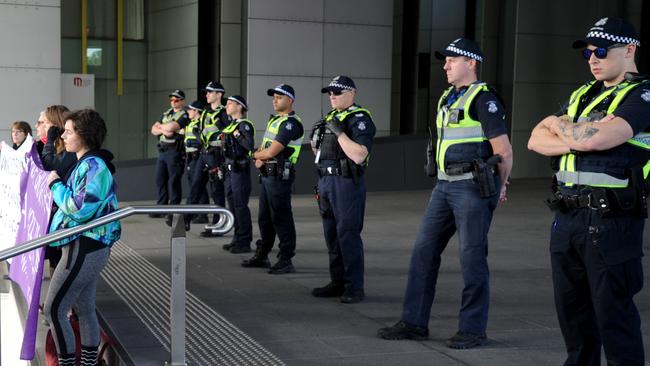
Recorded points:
(332, 289)
(282, 266)
(259, 260)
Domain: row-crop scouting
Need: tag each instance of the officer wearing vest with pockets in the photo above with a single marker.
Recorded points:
(193, 145)
(471, 132)
(170, 163)
(275, 159)
(239, 139)
(599, 144)
(342, 142)
(213, 119)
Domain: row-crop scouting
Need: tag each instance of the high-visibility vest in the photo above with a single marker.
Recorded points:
(456, 126)
(272, 130)
(571, 171)
(169, 117)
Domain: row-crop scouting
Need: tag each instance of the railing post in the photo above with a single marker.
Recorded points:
(177, 313)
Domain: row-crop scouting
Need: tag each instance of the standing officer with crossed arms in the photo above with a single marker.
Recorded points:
(599, 147)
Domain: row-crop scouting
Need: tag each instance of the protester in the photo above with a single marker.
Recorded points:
(87, 194)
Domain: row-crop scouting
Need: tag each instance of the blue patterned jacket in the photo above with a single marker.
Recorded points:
(89, 193)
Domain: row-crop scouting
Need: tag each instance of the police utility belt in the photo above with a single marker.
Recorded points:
(280, 169)
(345, 168)
(236, 165)
(607, 202)
(483, 172)
(166, 146)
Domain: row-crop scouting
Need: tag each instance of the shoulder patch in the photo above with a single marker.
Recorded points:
(646, 95)
(361, 126)
(288, 126)
(492, 106)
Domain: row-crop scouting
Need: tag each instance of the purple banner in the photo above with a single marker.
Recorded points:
(27, 269)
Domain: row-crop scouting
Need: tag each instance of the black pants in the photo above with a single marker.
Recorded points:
(169, 172)
(238, 192)
(200, 177)
(275, 216)
(342, 206)
(190, 169)
(594, 284)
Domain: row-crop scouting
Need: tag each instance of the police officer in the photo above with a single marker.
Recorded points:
(598, 144)
(169, 167)
(213, 119)
(276, 159)
(239, 139)
(342, 144)
(193, 145)
(471, 133)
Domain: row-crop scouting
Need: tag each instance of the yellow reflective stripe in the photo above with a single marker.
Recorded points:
(620, 94)
(466, 130)
(641, 139)
(646, 170)
(575, 98)
(591, 179)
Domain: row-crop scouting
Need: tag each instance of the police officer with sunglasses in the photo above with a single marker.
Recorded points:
(600, 151)
(342, 142)
(170, 163)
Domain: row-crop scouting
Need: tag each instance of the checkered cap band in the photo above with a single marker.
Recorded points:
(209, 88)
(613, 38)
(465, 53)
(337, 85)
(282, 91)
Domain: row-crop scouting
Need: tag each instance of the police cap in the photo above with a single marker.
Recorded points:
(461, 47)
(609, 31)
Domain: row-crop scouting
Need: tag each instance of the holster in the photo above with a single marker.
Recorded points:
(484, 177)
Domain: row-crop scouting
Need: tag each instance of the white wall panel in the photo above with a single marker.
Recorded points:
(307, 104)
(30, 61)
(284, 48)
(357, 50)
(30, 36)
(302, 10)
(375, 12)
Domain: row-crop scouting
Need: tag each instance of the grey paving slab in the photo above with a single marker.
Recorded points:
(279, 312)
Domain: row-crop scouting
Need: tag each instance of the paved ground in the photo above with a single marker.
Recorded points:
(279, 313)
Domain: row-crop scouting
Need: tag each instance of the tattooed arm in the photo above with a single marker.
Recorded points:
(605, 134)
(544, 141)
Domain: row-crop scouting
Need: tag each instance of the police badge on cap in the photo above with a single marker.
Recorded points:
(461, 47)
(609, 31)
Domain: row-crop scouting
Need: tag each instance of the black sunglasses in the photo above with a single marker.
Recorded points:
(337, 92)
(600, 52)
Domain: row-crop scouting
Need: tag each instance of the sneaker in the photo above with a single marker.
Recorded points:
(403, 330)
(351, 296)
(156, 216)
(282, 266)
(465, 340)
(201, 219)
(259, 260)
(332, 289)
(209, 234)
(238, 249)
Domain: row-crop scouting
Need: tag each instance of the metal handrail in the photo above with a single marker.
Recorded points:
(177, 301)
(118, 215)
